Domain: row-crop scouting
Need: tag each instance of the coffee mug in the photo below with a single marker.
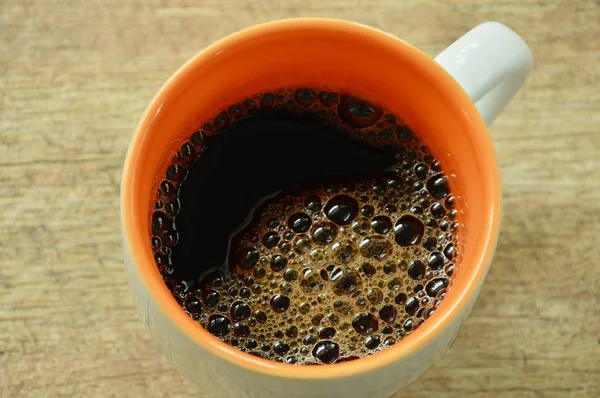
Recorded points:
(447, 100)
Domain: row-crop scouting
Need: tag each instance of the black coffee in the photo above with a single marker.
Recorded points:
(306, 226)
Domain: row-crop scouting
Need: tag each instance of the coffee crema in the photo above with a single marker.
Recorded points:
(306, 226)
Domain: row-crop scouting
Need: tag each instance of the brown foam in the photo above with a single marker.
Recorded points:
(326, 280)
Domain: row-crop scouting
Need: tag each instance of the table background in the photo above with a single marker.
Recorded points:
(75, 77)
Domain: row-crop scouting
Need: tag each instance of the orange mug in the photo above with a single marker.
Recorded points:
(447, 101)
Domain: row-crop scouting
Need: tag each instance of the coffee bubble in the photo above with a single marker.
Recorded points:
(365, 323)
(357, 112)
(326, 351)
(341, 209)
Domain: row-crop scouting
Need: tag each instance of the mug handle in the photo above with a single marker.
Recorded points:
(491, 62)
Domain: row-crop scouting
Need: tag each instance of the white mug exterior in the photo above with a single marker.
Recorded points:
(490, 62)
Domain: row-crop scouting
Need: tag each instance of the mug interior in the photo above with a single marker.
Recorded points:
(320, 52)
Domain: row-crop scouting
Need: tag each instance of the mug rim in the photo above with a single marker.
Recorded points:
(409, 345)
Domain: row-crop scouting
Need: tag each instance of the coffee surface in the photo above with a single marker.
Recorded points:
(306, 226)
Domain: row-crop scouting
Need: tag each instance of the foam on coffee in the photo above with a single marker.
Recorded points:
(329, 271)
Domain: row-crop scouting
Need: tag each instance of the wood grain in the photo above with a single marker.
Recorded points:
(76, 75)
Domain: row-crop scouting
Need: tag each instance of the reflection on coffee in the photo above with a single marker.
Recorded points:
(306, 226)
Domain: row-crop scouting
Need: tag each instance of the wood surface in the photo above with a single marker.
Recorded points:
(75, 77)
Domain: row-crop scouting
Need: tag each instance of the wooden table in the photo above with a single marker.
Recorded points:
(75, 77)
